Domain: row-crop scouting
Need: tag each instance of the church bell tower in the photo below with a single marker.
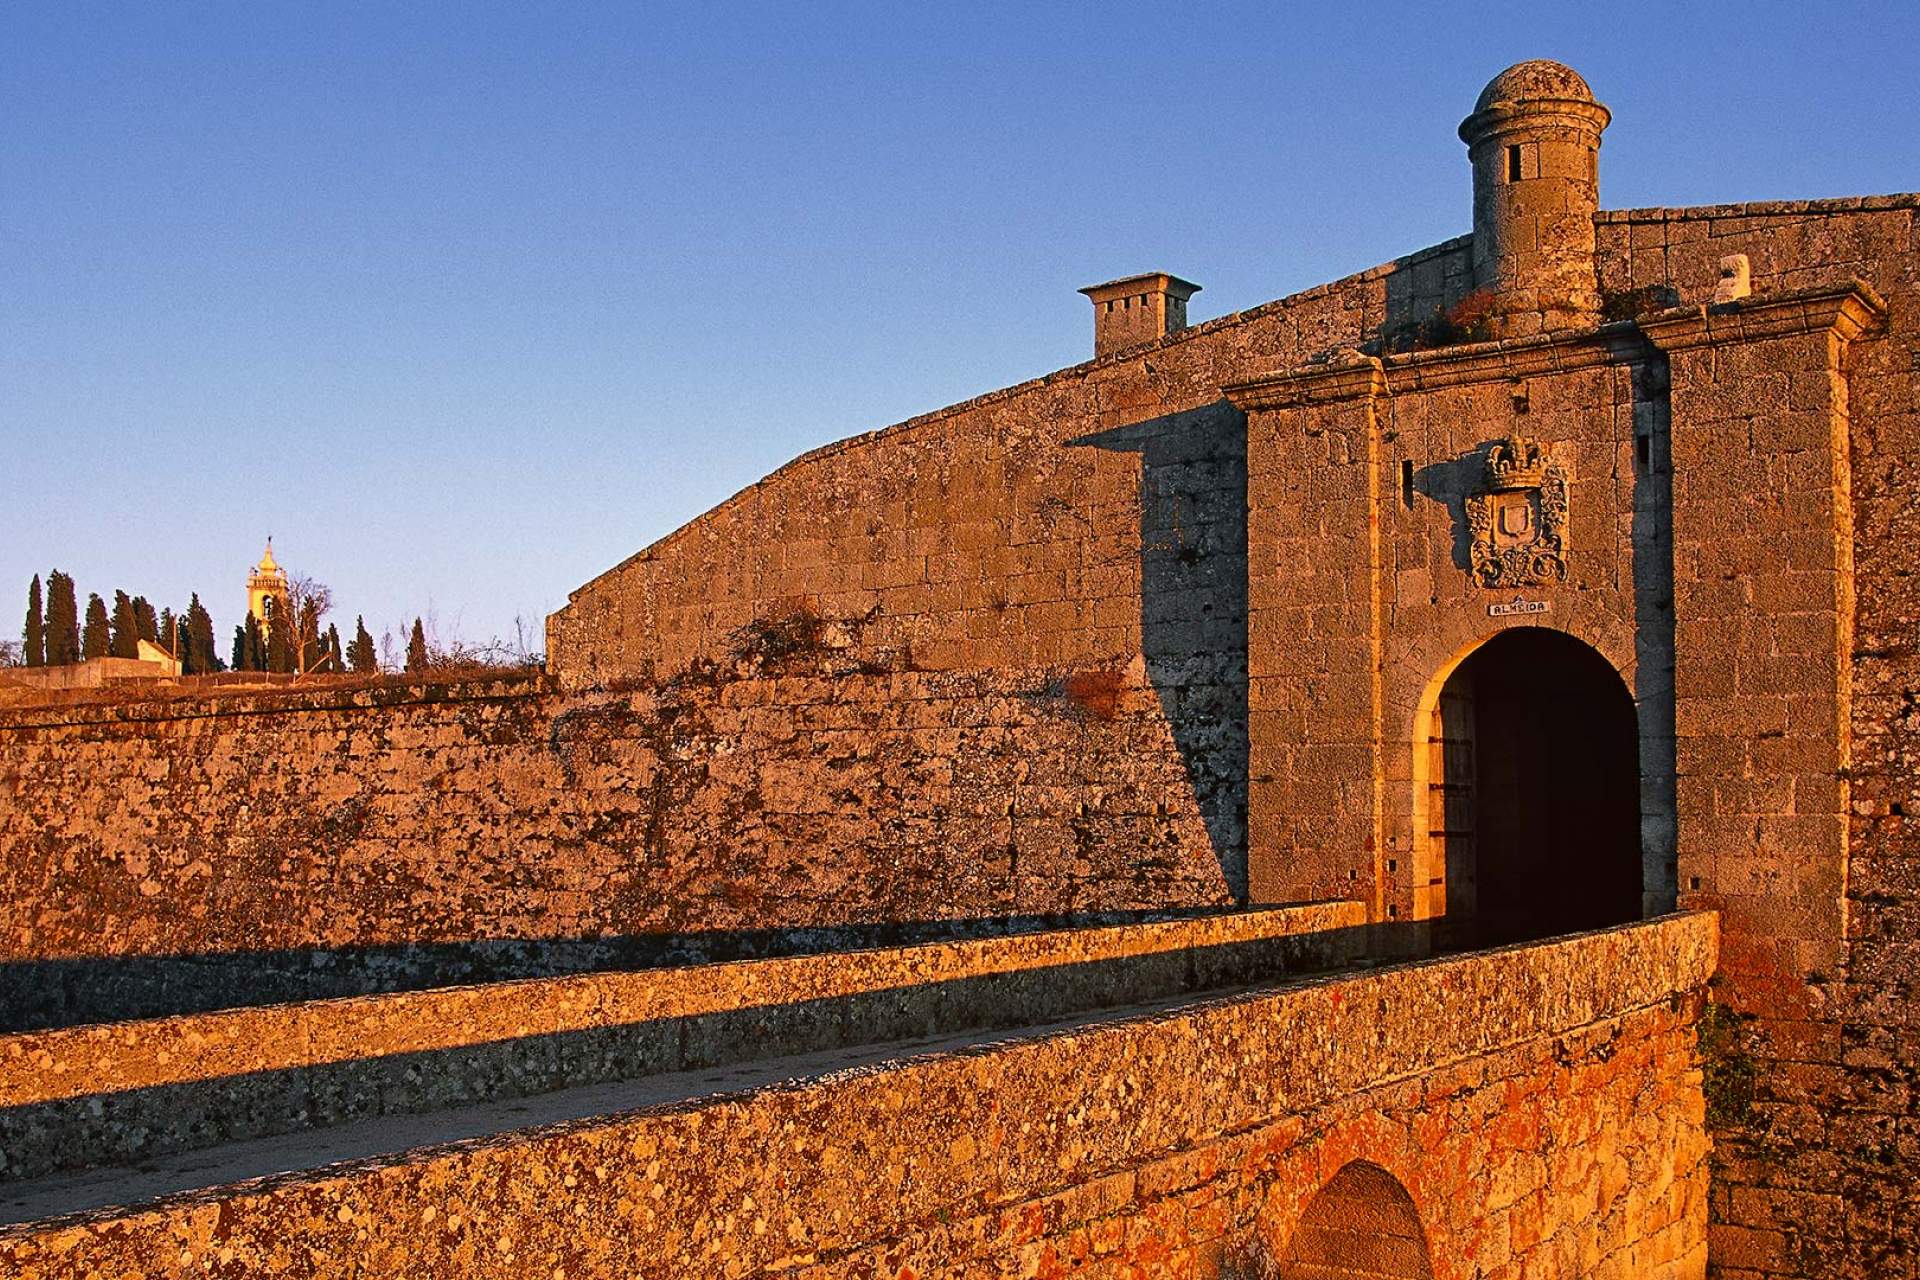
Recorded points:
(267, 588)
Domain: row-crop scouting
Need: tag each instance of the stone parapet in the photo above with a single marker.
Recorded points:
(275, 846)
(1542, 1105)
(126, 1091)
(1762, 209)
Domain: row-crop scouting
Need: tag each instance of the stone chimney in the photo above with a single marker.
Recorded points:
(1138, 309)
(1534, 138)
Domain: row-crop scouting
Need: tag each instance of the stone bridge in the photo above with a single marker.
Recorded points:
(1222, 1095)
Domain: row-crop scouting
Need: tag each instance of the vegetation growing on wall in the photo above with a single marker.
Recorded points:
(1466, 320)
(1726, 1065)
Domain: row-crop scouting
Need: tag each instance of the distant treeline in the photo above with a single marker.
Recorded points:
(58, 634)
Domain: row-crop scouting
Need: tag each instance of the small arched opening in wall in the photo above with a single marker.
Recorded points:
(1361, 1226)
(1527, 791)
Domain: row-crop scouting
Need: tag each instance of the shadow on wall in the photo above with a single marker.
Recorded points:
(41, 994)
(1450, 482)
(1193, 603)
(139, 1124)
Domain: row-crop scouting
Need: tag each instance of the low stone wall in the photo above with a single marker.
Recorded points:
(1541, 1104)
(262, 847)
(91, 674)
(122, 1092)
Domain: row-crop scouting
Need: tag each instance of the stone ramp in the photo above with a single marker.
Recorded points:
(386, 1138)
(1540, 1104)
(126, 1094)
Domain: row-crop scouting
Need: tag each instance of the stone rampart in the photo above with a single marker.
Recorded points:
(1821, 944)
(122, 1092)
(279, 846)
(1093, 514)
(1052, 713)
(1541, 1105)
(1098, 512)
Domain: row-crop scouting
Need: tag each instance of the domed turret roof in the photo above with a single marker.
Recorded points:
(267, 563)
(1533, 79)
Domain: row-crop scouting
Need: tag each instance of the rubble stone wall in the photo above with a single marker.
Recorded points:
(248, 848)
(1094, 517)
(1541, 1107)
(1053, 711)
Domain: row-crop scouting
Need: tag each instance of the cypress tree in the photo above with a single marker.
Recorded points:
(167, 637)
(200, 648)
(335, 663)
(36, 634)
(361, 656)
(124, 634)
(145, 625)
(183, 632)
(257, 646)
(240, 651)
(280, 647)
(63, 621)
(417, 648)
(94, 637)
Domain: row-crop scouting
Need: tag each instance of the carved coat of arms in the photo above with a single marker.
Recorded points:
(1518, 522)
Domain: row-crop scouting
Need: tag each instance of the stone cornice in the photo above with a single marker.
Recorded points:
(1848, 311)
(1348, 376)
(1512, 358)
(1502, 361)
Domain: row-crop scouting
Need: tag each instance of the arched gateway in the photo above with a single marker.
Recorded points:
(1532, 791)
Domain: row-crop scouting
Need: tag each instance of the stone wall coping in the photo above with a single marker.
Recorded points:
(1763, 209)
(906, 1132)
(188, 704)
(69, 1062)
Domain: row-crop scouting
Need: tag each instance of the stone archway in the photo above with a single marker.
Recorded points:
(1361, 1226)
(1532, 779)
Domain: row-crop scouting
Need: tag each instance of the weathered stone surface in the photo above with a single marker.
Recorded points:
(1541, 1104)
(121, 1092)
(1167, 629)
(325, 843)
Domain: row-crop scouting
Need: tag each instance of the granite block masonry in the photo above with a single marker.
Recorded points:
(1531, 584)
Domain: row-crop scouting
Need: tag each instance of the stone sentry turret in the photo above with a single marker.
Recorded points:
(1534, 139)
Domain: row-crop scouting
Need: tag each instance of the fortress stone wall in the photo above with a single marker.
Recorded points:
(1745, 513)
(275, 846)
(1228, 616)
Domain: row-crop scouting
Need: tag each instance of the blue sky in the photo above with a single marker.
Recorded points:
(465, 303)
